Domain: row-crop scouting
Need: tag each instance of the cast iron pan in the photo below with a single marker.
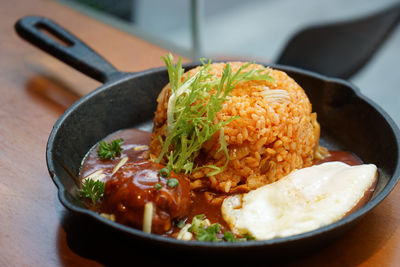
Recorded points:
(349, 121)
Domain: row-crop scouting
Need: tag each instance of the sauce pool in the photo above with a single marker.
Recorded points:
(135, 146)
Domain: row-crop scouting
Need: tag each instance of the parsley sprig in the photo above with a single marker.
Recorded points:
(205, 232)
(92, 189)
(192, 108)
(110, 150)
(209, 234)
(229, 237)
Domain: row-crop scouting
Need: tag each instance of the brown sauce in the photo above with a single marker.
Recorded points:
(132, 138)
(199, 203)
(134, 185)
(343, 156)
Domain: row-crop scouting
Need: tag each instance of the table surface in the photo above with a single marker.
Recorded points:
(35, 229)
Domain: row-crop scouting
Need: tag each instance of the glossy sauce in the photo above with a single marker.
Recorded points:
(343, 156)
(134, 185)
(199, 203)
(132, 139)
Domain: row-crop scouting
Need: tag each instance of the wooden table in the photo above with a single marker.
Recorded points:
(35, 230)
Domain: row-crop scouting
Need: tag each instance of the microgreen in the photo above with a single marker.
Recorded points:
(92, 189)
(192, 108)
(110, 150)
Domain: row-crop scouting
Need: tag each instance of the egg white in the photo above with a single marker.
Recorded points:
(304, 200)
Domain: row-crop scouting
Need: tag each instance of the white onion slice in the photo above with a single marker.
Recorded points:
(148, 217)
(96, 176)
(140, 148)
(120, 164)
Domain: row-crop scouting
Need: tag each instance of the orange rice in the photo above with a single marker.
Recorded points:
(274, 134)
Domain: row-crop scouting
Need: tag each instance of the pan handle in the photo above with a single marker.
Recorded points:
(55, 40)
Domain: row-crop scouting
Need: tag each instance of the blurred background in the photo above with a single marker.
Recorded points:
(260, 30)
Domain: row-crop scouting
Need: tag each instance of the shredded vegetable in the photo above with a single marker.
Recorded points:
(192, 109)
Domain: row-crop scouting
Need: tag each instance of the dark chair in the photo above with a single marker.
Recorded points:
(340, 49)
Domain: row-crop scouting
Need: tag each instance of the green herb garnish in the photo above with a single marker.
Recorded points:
(164, 172)
(209, 233)
(158, 186)
(173, 182)
(249, 237)
(203, 231)
(92, 189)
(180, 224)
(229, 237)
(192, 108)
(197, 222)
(111, 150)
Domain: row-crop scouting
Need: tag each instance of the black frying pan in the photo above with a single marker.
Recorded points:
(349, 121)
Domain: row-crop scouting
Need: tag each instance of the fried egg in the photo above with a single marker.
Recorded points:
(304, 200)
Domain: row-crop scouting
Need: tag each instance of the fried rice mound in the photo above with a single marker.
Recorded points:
(275, 133)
